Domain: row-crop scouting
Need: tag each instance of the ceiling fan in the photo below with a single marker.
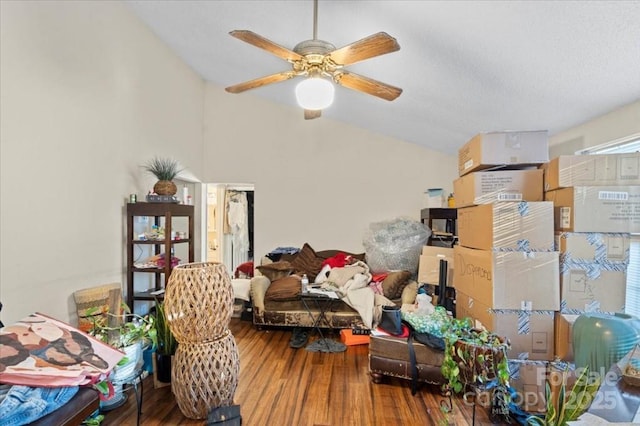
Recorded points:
(318, 61)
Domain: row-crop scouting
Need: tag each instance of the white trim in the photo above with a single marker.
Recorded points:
(239, 186)
(201, 202)
(608, 147)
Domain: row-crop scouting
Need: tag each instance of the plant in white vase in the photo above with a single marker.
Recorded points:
(129, 333)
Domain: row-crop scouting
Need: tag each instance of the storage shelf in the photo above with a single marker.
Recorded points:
(160, 270)
(161, 242)
(162, 214)
(449, 215)
(146, 295)
(443, 234)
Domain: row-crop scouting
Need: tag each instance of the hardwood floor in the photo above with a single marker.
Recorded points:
(283, 386)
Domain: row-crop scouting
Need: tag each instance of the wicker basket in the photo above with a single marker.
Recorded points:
(205, 376)
(93, 303)
(479, 362)
(199, 302)
(165, 187)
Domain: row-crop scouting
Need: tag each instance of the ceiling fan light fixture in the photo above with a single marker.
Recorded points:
(321, 65)
(315, 93)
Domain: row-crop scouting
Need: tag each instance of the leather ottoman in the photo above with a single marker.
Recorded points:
(389, 356)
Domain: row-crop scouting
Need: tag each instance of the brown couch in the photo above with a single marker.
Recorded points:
(292, 313)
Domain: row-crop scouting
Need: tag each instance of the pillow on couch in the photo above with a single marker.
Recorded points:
(284, 289)
(326, 254)
(394, 283)
(276, 270)
(307, 262)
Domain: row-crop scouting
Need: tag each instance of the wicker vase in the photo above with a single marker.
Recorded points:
(199, 301)
(198, 306)
(165, 187)
(205, 375)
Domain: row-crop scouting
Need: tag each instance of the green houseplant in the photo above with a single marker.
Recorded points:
(473, 356)
(166, 347)
(127, 332)
(476, 357)
(563, 407)
(123, 328)
(165, 170)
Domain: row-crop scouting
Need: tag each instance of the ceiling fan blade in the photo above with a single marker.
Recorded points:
(262, 81)
(261, 42)
(310, 114)
(369, 47)
(367, 85)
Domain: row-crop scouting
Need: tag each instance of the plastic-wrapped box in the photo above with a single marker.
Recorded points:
(395, 245)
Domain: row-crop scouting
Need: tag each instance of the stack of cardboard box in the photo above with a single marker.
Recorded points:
(597, 205)
(540, 242)
(507, 272)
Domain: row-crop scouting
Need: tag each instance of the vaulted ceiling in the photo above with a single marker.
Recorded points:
(464, 66)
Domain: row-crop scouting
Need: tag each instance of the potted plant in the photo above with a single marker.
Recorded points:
(125, 331)
(165, 170)
(475, 357)
(123, 328)
(563, 407)
(166, 346)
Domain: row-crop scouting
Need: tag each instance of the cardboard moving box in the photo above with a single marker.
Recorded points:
(503, 185)
(596, 208)
(593, 271)
(507, 226)
(530, 386)
(592, 170)
(429, 267)
(531, 380)
(535, 344)
(581, 291)
(509, 280)
(514, 149)
(530, 333)
(593, 247)
(563, 331)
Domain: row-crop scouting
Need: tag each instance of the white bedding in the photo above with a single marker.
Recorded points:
(241, 288)
(352, 285)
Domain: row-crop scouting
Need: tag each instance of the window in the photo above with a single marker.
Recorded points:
(633, 278)
(629, 144)
(620, 146)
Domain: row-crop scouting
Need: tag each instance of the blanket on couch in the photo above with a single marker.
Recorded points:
(351, 283)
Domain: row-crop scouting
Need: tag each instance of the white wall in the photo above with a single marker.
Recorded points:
(619, 123)
(88, 95)
(317, 181)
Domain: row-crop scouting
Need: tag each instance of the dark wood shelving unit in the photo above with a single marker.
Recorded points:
(450, 216)
(162, 214)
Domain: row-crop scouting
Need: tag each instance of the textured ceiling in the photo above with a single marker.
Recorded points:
(465, 66)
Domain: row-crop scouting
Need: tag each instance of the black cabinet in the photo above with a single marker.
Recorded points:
(442, 222)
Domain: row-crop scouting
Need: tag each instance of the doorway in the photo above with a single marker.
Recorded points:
(229, 227)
